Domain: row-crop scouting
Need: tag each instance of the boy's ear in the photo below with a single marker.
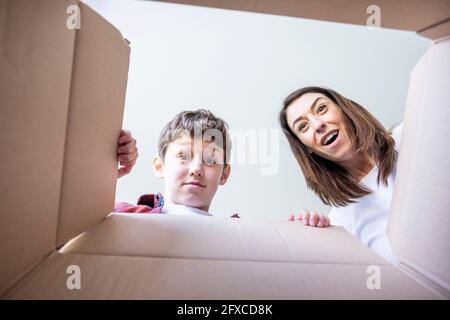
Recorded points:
(225, 174)
(158, 167)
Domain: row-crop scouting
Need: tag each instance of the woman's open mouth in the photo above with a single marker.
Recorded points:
(329, 138)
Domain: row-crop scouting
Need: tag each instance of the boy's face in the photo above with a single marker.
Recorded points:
(192, 171)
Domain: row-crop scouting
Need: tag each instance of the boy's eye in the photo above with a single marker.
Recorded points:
(210, 161)
(183, 156)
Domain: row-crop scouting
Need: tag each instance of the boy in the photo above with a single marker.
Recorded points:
(192, 159)
(191, 179)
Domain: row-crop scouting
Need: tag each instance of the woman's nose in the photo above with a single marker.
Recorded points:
(318, 124)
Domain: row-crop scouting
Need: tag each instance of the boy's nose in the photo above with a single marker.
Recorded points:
(195, 169)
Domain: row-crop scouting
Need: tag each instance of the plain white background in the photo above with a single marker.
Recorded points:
(241, 66)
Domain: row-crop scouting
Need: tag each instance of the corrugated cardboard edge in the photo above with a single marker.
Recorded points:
(65, 136)
(105, 21)
(436, 31)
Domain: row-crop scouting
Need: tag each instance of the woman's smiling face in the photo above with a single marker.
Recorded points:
(320, 125)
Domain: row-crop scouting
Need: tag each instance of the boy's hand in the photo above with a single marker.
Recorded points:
(311, 218)
(126, 152)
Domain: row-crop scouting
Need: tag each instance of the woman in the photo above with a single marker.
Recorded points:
(348, 159)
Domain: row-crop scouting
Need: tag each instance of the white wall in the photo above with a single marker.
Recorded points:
(241, 66)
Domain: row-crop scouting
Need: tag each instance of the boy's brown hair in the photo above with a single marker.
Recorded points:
(190, 121)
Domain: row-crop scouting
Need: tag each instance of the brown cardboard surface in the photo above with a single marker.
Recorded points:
(437, 32)
(36, 51)
(68, 87)
(158, 235)
(411, 15)
(62, 96)
(419, 220)
(97, 98)
(115, 277)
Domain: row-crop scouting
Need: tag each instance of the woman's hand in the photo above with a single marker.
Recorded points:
(127, 152)
(311, 218)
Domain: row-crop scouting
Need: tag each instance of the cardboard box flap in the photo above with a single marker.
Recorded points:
(172, 236)
(411, 15)
(112, 277)
(62, 94)
(419, 220)
(36, 52)
(99, 79)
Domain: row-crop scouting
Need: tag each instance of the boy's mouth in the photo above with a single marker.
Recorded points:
(195, 184)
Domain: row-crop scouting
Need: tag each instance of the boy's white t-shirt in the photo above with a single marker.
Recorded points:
(367, 218)
(179, 209)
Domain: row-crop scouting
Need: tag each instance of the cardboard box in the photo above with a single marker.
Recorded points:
(430, 18)
(62, 94)
(62, 97)
(177, 257)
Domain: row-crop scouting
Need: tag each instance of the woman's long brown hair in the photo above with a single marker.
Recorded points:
(331, 182)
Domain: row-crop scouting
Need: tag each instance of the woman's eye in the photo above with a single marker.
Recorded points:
(302, 126)
(321, 108)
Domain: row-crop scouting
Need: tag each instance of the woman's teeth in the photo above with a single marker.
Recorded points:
(331, 138)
